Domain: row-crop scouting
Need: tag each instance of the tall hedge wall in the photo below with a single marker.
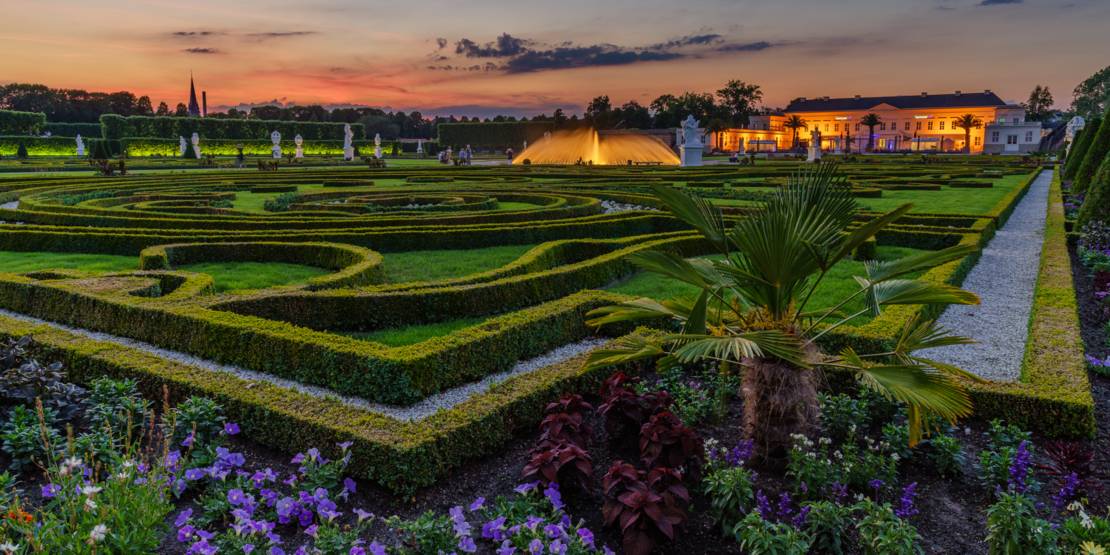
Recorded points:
(117, 127)
(495, 135)
(21, 123)
(1079, 149)
(61, 129)
(1100, 145)
(39, 146)
(144, 146)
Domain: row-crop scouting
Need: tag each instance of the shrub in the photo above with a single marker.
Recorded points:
(946, 455)
(30, 380)
(666, 441)
(624, 411)
(648, 510)
(28, 441)
(199, 417)
(559, 462)
(14, 122)
(881, 532)
(843, 417)
(826, 524)
(730, 495)
(1013, 527)
(761, 537)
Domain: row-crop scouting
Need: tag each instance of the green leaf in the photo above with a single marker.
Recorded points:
(696, 211)
(878, 271)
(912, 291)
(861, 234)
(755, 344)
(629, 348)
(695, 323)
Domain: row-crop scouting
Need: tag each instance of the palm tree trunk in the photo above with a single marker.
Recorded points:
(779, 400)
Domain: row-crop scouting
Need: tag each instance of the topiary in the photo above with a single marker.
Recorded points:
(1096, 205)
(1099, 147)
(21, 152)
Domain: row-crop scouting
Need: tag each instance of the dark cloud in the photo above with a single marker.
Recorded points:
(689, 40)
(441, 42)
(584, 56)
(999, 2)
(506, 45)
(279, 34)
(744, 46)
(196, 33)
(201, 51)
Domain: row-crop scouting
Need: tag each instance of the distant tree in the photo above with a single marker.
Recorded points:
(1039, 105)
(163, 109)
(1091, 97)
(739, 99)
(716, 126)
(143, 106)
(632, 115)
(267, 112)
(599, 112)
(794, 123)
(559, 117)
(181, 111)
(871, 121)
(967, 122)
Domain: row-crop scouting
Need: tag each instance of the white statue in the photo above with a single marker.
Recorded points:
(1074, 125)
(181, 146)
(377, 145)
(275, 138)
(740, 149)
(348, 146)
(692, 147)
(80, 146)
(525, 145)
(420, 147)
(814, 145)
(196, 145)
(298, 140)
(546, 135)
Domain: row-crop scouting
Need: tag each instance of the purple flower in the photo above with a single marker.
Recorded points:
(345, 445)
(785, 509)
(185, 533)
(553, 531)
(763, 505)
(494, 529)
(248, 548)
(876, 485)
(553, 495)
(557, 547)
(741, 453)
(462, 527)
(799, 519)
(466, 545)
(275, 550)
(363, 515)
(195, 474)
(349, 485)
(839, 492)
(377, 548)
(189, 439)
(356, 550)
(297, 459)
(183, 518)
(477, 504)
(1067, 491)
(311, 530)
(50, 490)
(506, 549)
(525, 488)
(1020, 467)
(536, 547)
(236, 497)
(586, 536)
(905, 507)
(231, 428)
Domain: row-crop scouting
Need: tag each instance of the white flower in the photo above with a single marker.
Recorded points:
(69, 465)
(128, 463)
(894, 457)
(122, 476)
(97, 533)
(89, 491)
(9, 547)
(90, 505)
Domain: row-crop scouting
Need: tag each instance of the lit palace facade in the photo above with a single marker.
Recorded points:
(924, 122)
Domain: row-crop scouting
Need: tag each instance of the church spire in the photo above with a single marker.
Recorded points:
(194, 108)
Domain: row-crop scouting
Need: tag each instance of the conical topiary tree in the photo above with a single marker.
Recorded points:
(1096, 205)
(1082, 142)
(21, 152)
(1100, 145)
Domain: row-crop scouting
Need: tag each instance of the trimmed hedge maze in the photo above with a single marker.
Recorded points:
(419, 284)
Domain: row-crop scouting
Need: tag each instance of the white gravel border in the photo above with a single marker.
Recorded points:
(13, 205)
(413, 413)
(1004, 278)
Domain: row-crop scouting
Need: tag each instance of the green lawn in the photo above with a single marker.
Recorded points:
(948, 200)
(837, 285)
(237, 276)
(502, 205)
(408, 335)
(21, 262)
(403, 267)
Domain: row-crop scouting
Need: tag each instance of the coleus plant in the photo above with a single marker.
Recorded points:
(561, 462)
(666, 441)
(647, 508)
(625, 411)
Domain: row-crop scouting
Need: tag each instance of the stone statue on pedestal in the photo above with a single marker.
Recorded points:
(80, 146)
(181, 146)
(420, 147)
(298, 140)
(348, 146)
(275, 138)
(377, 145)
(196, 145)
(814, 146)
(692, 148)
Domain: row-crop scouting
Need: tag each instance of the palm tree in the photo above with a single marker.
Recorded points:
(871, 120)
(753, 309)
(967, 122)
(716, 126)
(795, 122)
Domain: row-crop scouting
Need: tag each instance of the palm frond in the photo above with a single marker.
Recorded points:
(629, 348)
(913, 291)
(883, 270)
(755, 344)
(701, 214)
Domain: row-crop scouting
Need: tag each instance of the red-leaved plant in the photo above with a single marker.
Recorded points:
(624, 410)
(566, 420)
(648, 509)
(559, 461)
(666, 441)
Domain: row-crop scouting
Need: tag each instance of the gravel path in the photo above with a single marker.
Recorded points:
(423, 409)
(10, 205)
(1004, 278)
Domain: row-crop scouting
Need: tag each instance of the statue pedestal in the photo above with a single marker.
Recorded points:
(299, 153)
(277, 152)
(691, 155)
(814, 153)
(378, 152)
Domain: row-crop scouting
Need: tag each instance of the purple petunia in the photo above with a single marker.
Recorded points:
(586, 536)
(477, 504)
(552, 494)
(377, 548)
(50, 490)
(183, 517)
(525, 488)
(231, 428)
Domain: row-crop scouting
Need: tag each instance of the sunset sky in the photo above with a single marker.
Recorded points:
(479, 57)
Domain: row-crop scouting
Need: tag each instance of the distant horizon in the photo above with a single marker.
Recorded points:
(485, 59)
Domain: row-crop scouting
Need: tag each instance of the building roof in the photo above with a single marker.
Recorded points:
(918, 101)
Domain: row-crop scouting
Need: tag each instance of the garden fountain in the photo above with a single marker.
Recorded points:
(586, 146)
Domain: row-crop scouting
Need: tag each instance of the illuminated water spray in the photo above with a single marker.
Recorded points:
(585, 146)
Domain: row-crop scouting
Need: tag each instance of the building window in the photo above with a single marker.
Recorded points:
(1028, 136)
(977, 141)
(1016, 120)
(994, 136)
(857, 127)
(930, 126)
(907, 125)
(1011, 139)
(919, 126)
(942, 125)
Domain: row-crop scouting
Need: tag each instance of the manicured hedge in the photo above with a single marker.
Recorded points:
(13, 122)
(117, 127)
(1096, 151)
(40, 146)
(493, 135)
(59, 129)
(145, 146)
(1079, 149)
